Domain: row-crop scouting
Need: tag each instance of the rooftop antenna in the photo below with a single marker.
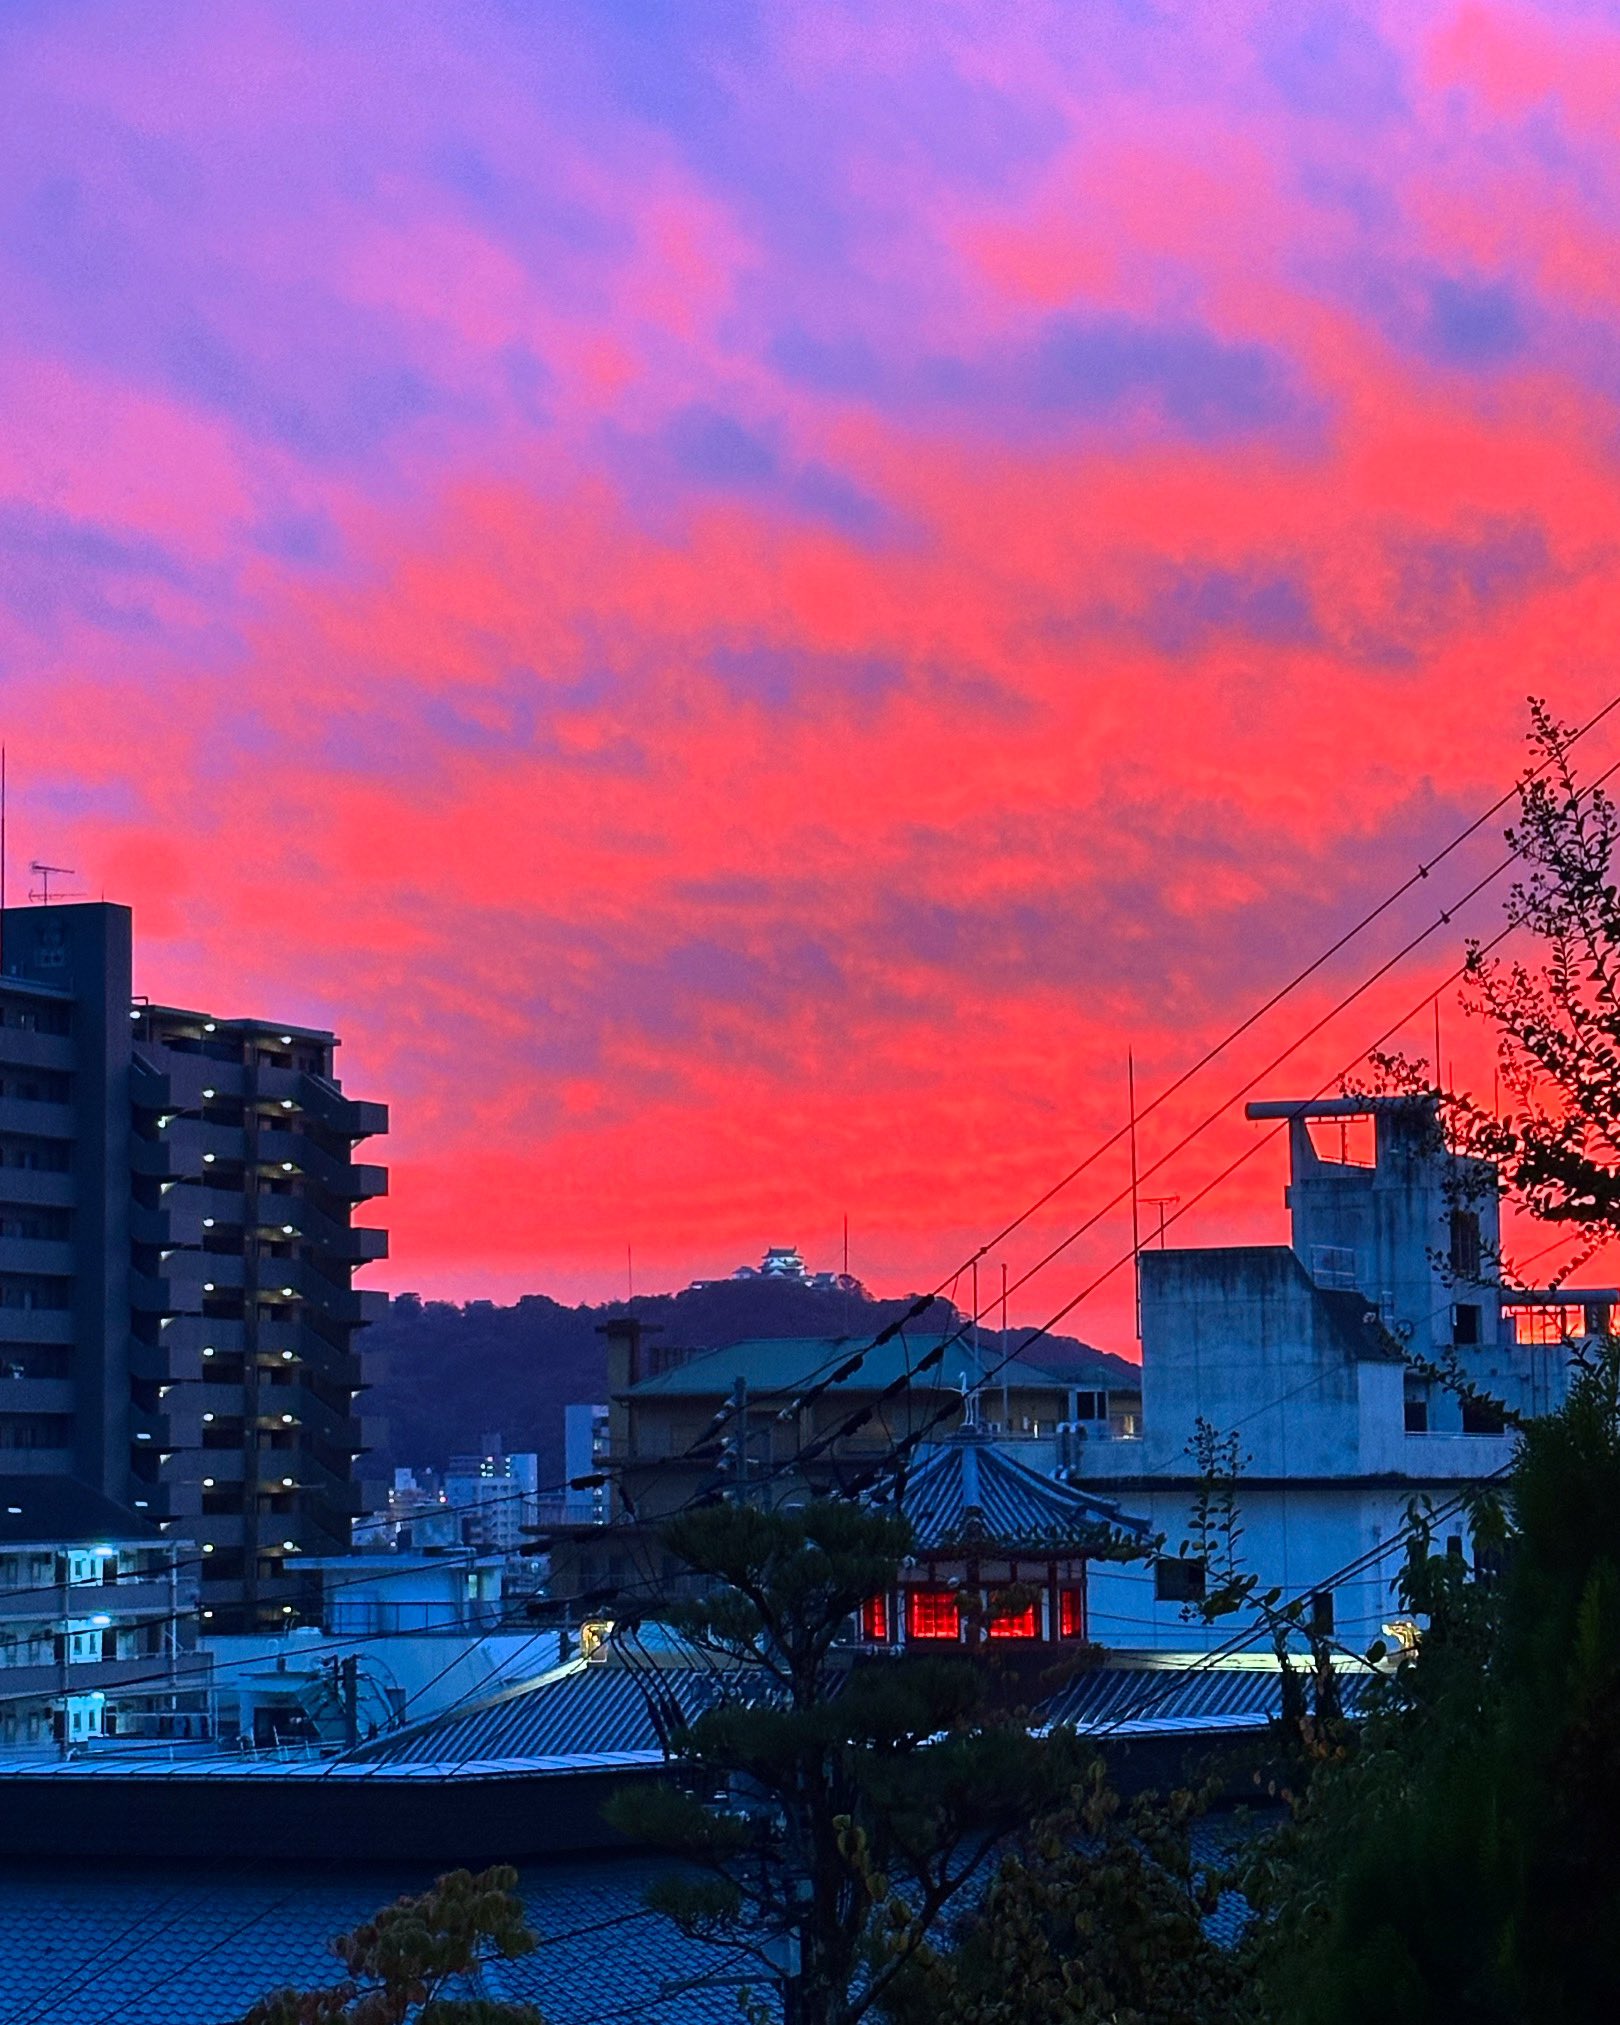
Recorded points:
(1136, 1218)
(45, 874)
(1161, 1203)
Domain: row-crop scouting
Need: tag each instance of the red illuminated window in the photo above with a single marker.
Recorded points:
(875, 1621)
(1071, 1614)
(932, 1613)
(1012, 1620)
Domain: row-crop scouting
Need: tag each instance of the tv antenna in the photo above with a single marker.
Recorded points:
(45, 874)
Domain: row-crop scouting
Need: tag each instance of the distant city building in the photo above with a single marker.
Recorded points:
(178, 1331)
(585, 1452)
(98, 1622)
(493, 1496)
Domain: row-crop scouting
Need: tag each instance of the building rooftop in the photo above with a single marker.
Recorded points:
(37, 1511)
(776, 1366)
(968, 1490)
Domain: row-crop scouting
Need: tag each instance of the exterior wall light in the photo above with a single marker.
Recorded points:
(286, 1420)
(286, 1167)
(208, 1224)
(208, 1546)
(210, 1093)
(208, 1026)
(208, 1160)
(286, 1483)
(286, 1357)
(286, 1230)
(208, 1483)
(208, 1416)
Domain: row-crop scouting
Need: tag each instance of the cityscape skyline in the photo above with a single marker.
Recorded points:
(744, 617)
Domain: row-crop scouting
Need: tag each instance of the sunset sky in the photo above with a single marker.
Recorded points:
(744, 597)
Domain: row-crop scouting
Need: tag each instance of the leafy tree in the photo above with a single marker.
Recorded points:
(403, 1963)
(1459, 1864)
(1098, 1917)
(858, 1802)
(1554, 1131)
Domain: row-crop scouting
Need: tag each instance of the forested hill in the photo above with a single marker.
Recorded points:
(446, 1376)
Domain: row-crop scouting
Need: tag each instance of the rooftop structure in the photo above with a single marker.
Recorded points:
(1315, 1355)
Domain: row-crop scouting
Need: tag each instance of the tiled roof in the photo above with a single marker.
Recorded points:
(97, 1944)
(591, 1711)
(970, 1488)
(597, 1711)
(775, 1366)
(1184, 1698)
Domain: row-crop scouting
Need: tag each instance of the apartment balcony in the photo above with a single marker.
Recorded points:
(33, 1395)
(81, 1603)
(302, 1216)
(51, 1258)
(35, 1120)
(152, 1158)
(198, 1147)
(192, 1077)
(149, 1671)
(40, 1187)
(300, 1153)
(35, 1325)
(348, 1117)
(151, 1296)
(25, 1050)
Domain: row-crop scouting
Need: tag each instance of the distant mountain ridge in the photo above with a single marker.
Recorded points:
(445, 1376)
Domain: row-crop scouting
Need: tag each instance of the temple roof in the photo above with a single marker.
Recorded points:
(970, 1490)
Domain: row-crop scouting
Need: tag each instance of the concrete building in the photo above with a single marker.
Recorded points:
(399, 1636)
(585, 1450)
(98, 1623)
(1305, 1352)
(177, 1321)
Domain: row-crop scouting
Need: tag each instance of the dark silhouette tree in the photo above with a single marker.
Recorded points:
(835, 1810)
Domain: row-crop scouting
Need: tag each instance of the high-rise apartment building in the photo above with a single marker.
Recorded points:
(178, 1327)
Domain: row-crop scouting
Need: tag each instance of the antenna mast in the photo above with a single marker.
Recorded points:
(1136, 1214)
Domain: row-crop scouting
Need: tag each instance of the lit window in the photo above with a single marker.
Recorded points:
(932, 1613)
(875, 1620)
(1071, 1614)
(1009, 1620)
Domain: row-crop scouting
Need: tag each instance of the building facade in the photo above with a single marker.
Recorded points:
(98, 1623)
(1318, 1358)
(178, 1324)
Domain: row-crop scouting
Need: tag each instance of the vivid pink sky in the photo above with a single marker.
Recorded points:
(743, 596)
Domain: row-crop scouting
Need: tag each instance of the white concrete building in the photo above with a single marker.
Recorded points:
(1303, 1351)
